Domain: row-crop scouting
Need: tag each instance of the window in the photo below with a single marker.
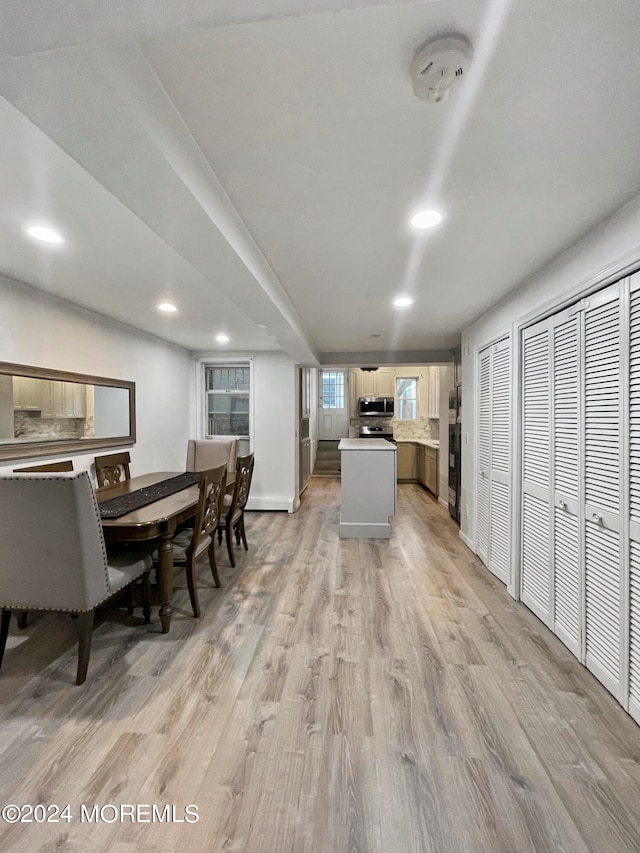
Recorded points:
(332, 389)
(227, 388)
(407, 393)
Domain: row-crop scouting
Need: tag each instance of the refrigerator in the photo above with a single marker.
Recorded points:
(455, 450)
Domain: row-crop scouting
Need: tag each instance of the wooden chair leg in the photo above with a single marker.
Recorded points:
(193, 590)
(131, 603)
(4, 631)
(21, 618)
(229, 536)
(85, 632)
(242, 532)
(236, 530)
(146, 598)
(212, 563)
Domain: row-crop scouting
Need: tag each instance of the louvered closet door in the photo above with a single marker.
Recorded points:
(499, 485)
(484, 457)
(536, 558)
(493, 538)
(602, 487)
(634, 499)
(568, 588)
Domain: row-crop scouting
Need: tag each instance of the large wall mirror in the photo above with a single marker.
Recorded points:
(45, 412)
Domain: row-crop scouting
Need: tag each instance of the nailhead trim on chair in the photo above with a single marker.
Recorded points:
(112, 591)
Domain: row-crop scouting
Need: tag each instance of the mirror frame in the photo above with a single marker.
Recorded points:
(53, 447)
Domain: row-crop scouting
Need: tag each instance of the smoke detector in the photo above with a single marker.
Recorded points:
(438, 65)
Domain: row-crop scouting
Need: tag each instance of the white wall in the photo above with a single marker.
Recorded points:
(43, 331)
(274, 484)
(603, 255)
(274, 419)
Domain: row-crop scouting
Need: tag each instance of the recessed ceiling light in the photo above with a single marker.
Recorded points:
(402, 301)
(167, 307)
(222, 339)
(426, 219)
(46, 235)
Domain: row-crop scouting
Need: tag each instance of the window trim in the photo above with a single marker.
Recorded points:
(343, 385)
(201, 393)
(416, 399)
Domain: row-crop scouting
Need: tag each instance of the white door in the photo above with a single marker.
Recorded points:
(602, 487)
(484, 457)
(333, 413)
(493, 522)
(536, 561)
(568, 554)
(500, 517)
(634, 500)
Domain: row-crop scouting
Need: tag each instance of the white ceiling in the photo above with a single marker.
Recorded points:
(256, 162)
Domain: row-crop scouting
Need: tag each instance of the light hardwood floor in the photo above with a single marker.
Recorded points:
(337, 696)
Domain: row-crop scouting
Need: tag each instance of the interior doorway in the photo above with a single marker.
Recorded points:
(333, 414)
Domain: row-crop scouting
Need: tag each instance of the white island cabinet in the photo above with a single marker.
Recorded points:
(368, 482)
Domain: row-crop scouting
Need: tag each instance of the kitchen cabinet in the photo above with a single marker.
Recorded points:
(433, 392)
(385, 382)
(418, 463)
(406, 461)
(374, 383)
(368, 486)
(64, 400)
(354, 391)
(429, 477)
(28, 392)
(74, 404)
(53, 398)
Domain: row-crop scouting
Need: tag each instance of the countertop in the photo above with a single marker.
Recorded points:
(366, 444)
(425, 442)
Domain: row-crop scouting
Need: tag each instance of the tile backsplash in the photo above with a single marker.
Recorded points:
(402, 430)
(48, 428)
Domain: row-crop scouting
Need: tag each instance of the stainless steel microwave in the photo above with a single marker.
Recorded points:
(381, 407)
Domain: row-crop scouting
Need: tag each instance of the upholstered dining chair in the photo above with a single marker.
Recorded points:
(47, 467)
(232, 520)
(190, 545)
(53, 554)
(112, 469)
(212, 452)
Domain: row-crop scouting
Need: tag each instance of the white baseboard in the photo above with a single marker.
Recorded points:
(443, 503)
(466, 541)
(284, 504)
(362, 530)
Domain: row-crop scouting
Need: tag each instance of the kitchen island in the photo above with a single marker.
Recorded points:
(368, 481)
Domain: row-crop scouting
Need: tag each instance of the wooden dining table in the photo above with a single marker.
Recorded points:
(154, 523)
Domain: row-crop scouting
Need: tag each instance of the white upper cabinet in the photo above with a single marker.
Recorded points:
(433, 389)
(373, 383)
(54, 398)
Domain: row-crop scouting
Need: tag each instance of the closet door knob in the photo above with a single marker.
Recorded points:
(596, 518)
(562, 505)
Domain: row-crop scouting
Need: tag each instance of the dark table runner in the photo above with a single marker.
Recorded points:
(115, 507)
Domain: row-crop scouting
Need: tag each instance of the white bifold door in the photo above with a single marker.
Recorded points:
(579, 468)
(493, 517)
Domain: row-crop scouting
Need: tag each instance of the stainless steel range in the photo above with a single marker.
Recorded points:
(376, 432)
